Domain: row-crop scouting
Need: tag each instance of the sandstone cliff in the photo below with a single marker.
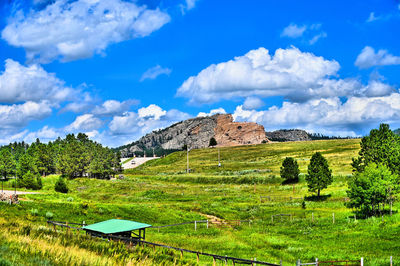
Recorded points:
(197, 132)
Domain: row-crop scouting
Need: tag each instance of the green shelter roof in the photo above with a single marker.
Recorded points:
(115, 226)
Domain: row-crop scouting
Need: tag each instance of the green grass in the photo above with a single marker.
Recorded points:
(160, 192)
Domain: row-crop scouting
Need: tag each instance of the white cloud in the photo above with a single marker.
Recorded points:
(312, 33)
(152, 112)
(77, 29)
(327, 115)
(372, 17)
(45, 134)
(317, 37)
(369, 58)
(136, 124)
(188, 5)
(32, 83)
(154, 72)
(84, 122)
(113, 107)
(290, 73)
(252, 103)
(19, 115)
(212, 112)
(293, 31)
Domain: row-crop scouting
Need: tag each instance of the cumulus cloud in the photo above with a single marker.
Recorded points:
(312, 32)
(290, 73)
(327, 114)
(252, 103)
(70, 30)
(113, 107)
(145, 120)
(188, 5)
(84, 122)
(154, 72)
(369, 58)
(19, 115)
(212, 112)
(31, 83)
(372, 17)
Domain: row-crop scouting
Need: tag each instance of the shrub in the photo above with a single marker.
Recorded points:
(34, 212)
(70, 199)
(49, 215)
(30, 181)
(61, 185)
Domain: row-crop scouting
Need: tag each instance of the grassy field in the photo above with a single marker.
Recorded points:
(160, 192)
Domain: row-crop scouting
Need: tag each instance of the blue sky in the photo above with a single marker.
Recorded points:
(119, 69)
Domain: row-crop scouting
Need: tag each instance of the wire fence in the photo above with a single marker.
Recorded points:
(130, 241)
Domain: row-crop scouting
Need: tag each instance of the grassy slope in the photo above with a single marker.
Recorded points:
(159, 192)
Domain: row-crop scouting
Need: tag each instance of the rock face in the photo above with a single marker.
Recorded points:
(229, 133)
(197, 132)
(288, 135)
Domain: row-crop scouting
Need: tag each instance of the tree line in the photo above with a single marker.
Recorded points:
(72, 157)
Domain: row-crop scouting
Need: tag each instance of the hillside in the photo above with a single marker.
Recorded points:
(246, 187)
(265, 157)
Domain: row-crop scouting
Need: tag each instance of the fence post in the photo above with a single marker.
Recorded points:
(391, 261)
(298, 262)
(316, 262)
(280, 263)
(198, 259)
(195, 225)
(272, 218)
(214, 262)
(355, 218)
(181, 253)
(362, 261)
(333, 217)
(312, 214)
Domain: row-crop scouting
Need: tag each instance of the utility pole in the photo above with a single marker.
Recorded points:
(187, 159)
(219, 161)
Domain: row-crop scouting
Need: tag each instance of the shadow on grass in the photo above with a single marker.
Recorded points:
(316, 198)
(290, 182)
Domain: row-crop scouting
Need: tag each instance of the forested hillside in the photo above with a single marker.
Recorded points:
(74, 156)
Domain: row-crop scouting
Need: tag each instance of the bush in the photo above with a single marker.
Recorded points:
(49, 215)
(61, 185)
(34, 212)
(30, 181)
(70, 199)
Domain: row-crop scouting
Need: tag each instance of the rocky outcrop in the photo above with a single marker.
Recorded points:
(197, 132)
(288, 135)
(229, 133)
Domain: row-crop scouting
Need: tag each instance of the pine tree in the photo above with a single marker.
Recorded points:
(290, 170)
(319, 175)
(7, 163)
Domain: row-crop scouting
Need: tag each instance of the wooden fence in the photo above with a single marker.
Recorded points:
(132, 241)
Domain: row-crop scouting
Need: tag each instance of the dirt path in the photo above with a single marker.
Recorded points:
(11, 192)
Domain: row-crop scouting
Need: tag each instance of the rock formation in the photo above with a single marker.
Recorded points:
(288, 135)
(197, 132)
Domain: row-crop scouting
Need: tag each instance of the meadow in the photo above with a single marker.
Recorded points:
(160, 192)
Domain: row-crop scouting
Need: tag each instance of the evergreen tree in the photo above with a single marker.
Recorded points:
(319, 175)
(61, 185)
(212, 143)
(26, 163)
(382, 146)
(7, 163)
(290, 170)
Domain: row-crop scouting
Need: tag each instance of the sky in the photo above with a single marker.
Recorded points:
(119, 69)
